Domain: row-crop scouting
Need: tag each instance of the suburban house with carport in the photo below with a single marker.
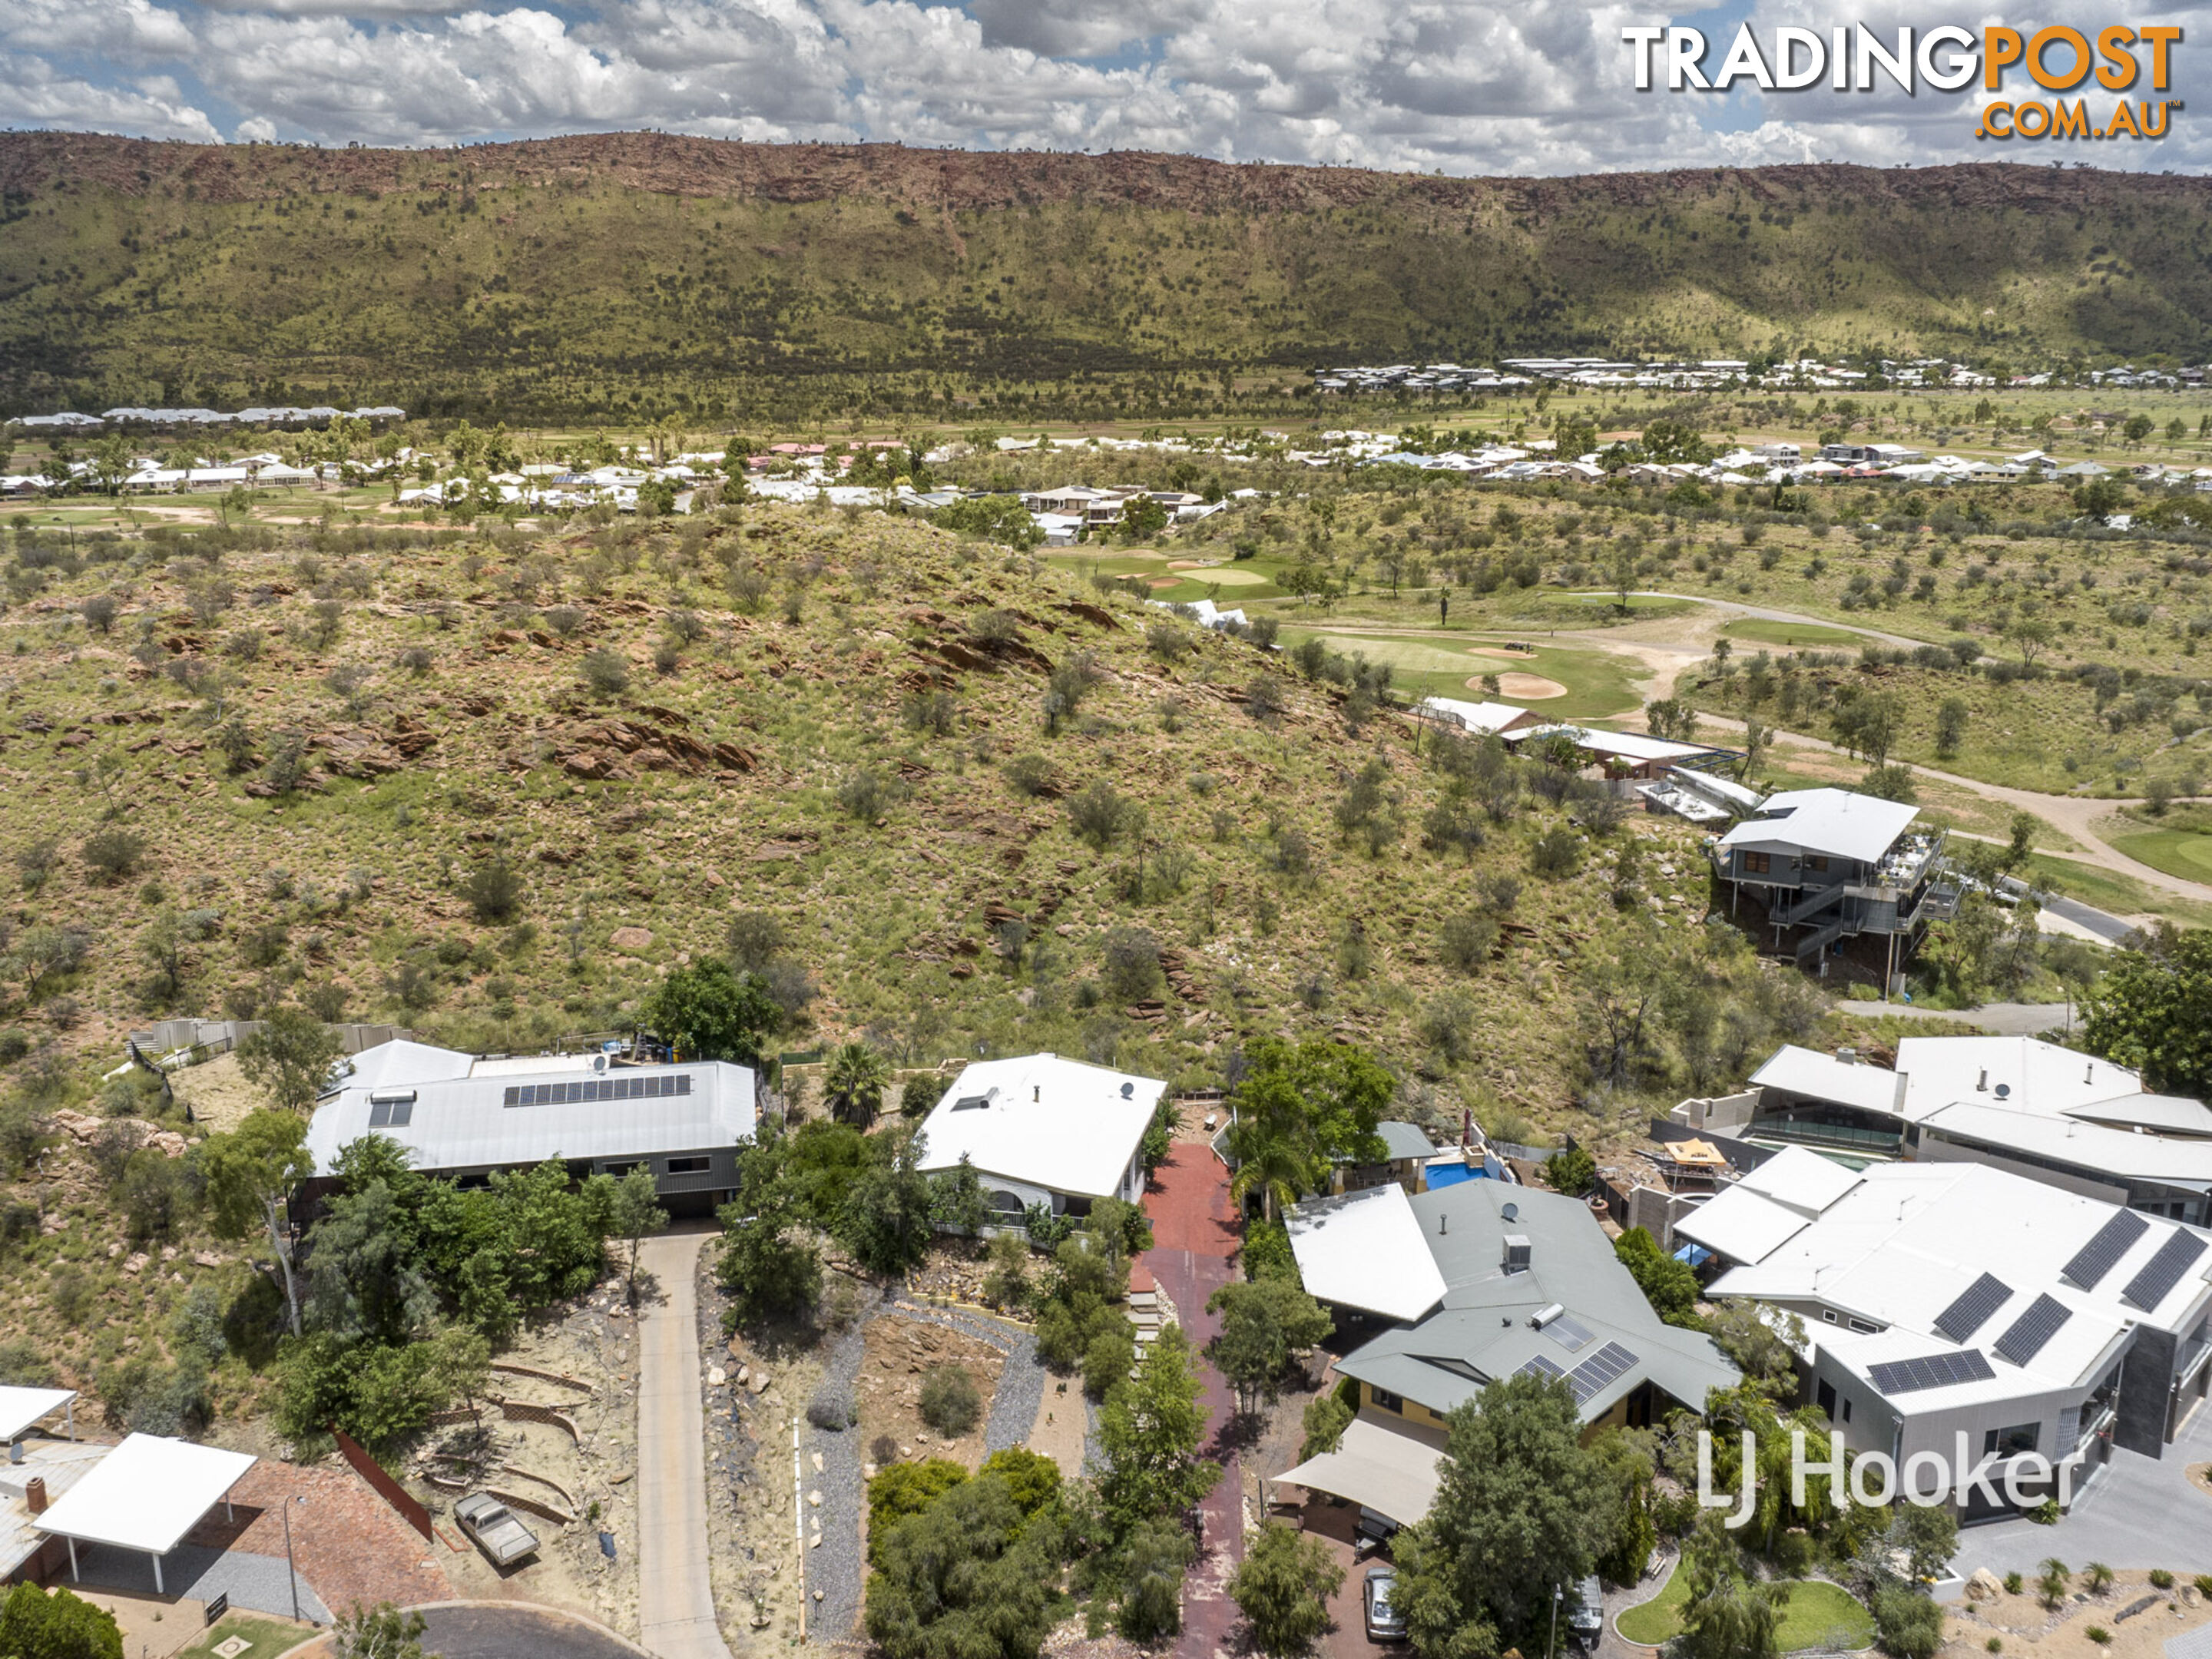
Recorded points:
(464, 1116)
(1955, 1301)
(144, 1496)
(1477, 1281)
(1044, 1129)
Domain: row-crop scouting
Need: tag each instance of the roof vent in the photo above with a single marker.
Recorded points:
(2089, 1072)
(1517, 1253)
(2004, 1091)
(1848, 1056)
(1982, 1083)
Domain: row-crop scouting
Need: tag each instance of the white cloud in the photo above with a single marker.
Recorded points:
(1463, 86)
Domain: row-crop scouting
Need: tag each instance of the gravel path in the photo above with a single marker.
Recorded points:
(835, 1570)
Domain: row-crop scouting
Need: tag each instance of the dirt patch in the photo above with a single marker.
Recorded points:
(897, 1354)
(217, 1093)
(1058, 1430)
(592, 1476)
(2025, 1625)
(2200, 1475)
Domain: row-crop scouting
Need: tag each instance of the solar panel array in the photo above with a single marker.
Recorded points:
(390, 1113)
(2163, 1271)
(1588, 1378)
(2024, 1337)
(1540, 1366)
(2102, 1254)
(1940, 1370)
(1569, 1333)
(1973, 1310)
(657, 1086)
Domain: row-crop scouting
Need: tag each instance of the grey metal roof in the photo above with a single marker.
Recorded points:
(1405, 1140)
(1482, 1331)
(465, 1124)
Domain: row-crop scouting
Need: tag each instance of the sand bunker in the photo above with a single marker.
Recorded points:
(1530, 688)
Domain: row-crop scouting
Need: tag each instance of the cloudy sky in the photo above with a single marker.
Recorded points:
(1456, 86)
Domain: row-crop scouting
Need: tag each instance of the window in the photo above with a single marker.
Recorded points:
(1386, 1399)
(1825, 1396)
(689, 1165)
(1816, 860)
(1860, 1325)
(1756, 864)
(1828, 1314)
(392, 1114)
(1847, 1408)
(2010, 1442)
(617, 1170)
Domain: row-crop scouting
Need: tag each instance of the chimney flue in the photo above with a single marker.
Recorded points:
(1982, 1083)
(34, 1494)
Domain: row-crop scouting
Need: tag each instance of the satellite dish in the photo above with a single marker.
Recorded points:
(1510, 1212)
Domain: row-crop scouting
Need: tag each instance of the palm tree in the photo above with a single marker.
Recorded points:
(1269, 1164)
(854, 1084)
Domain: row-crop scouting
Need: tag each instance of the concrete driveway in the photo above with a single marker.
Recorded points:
(2138, 1513)
(675, 1596)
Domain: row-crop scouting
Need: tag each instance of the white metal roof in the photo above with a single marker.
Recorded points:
(465, 1123)
(1807, 1071)
(1483, 717)
(1741, 1225)
(1043, 1120)
(1908, 1240)
(1366, 1250)
(1628, 745)
(1840, 823)
(1803, 1180)
(399, 1062)
(2090, 1146)
(147, 1494)
(21, 1407)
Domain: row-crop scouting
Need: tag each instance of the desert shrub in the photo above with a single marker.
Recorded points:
(604, 671)
(1030, 775)
(950, 1402)
(1557, 852)
(1468, 940)
(867, 794)
(831, 1412)
(113, 854)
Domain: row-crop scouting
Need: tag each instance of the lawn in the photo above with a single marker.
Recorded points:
(1597, 682)
(1791, 634)
(268, 1637)
(2184, 853)
(1815, 1608)
(1228, 583)
(2109, 890)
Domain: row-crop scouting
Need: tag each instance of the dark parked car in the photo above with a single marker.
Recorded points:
(1384, 1622)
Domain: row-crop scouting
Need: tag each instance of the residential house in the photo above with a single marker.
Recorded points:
(1472, 1282)
(1622, 754)
(1405, 1162)
(464, 1116)
(1044, 1129)
(1833, 865)
(1479, 719)
(1951, 1306)
(2019, 1103)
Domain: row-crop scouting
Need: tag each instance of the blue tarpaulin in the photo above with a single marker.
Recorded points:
(1697, 1255)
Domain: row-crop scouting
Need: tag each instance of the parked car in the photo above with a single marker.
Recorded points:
(502, 1538)
(1384, 1622)
(1587, 1623)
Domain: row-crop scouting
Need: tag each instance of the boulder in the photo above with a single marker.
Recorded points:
(1983, 1586)
(632, 939)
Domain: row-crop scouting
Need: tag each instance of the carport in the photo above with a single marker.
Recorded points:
(1379, 1468)
(20, 1409)
(146, 1495)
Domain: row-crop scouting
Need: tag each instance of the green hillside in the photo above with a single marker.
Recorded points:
(587, 277)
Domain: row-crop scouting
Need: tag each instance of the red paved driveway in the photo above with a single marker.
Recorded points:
(1195, 1235)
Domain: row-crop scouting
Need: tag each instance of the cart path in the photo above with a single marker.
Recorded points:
(675, 1595)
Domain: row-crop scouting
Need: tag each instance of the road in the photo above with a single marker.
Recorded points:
(509, 1630)
(1998, 1019)
(675, 1595)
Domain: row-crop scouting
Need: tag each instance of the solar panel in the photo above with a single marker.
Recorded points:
(1600, 1369)
(1540, 1366)
(657, 1086)
(2163, 1271)
(2102, 1254)
(1940, 1370)
(2024, 1338)
(1973, 1310)
(1569, 1333)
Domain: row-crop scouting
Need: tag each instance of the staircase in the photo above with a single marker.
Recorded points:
(1810, 905)
(1812, 944)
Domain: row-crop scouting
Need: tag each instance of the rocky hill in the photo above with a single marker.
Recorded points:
(596, 276)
